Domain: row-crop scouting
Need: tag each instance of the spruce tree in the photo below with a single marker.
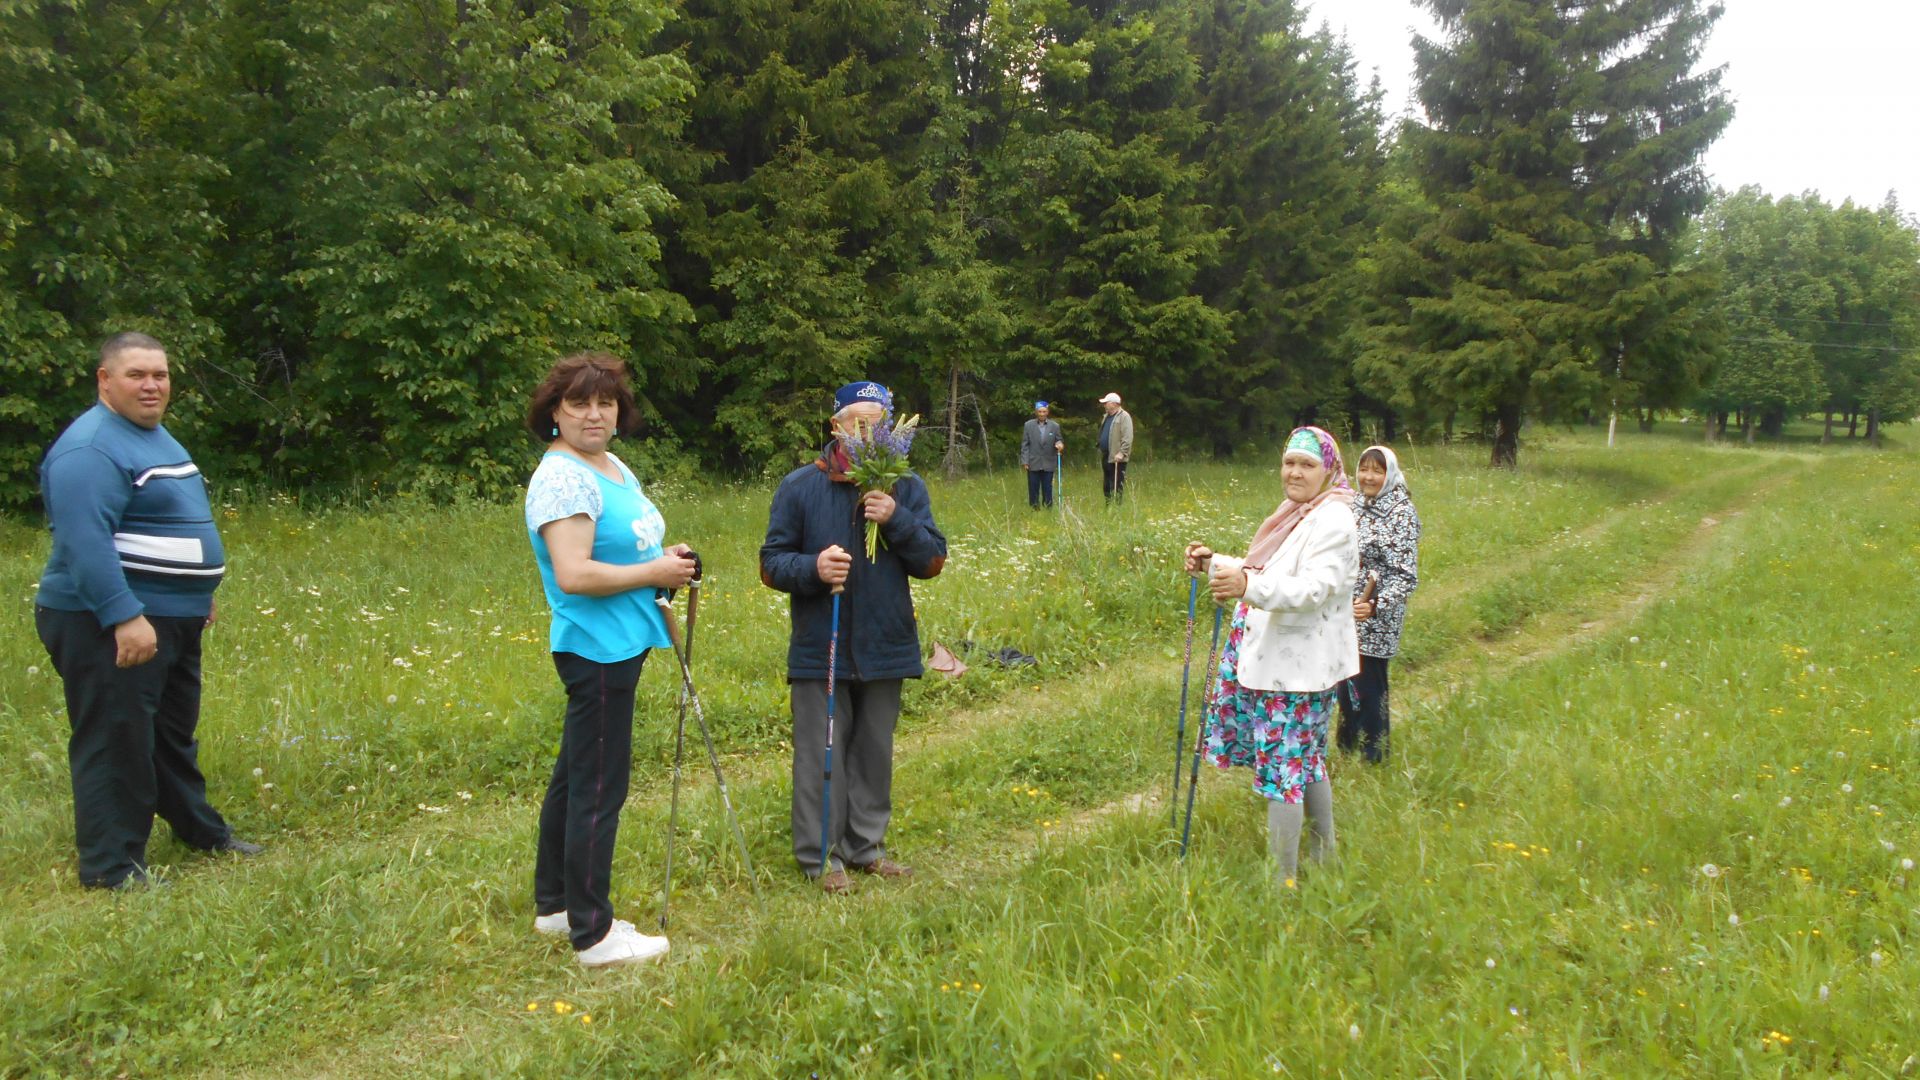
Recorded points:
(1291, 163)
(1560, 156)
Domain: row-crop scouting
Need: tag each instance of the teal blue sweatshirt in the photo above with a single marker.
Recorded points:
(133, 531)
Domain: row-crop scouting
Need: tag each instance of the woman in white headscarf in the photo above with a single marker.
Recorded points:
(1389, 532)
(1292, 643)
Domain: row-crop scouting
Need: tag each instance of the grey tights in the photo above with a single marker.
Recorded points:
(1283, 828)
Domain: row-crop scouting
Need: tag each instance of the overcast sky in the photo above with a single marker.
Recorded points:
(1827, 94)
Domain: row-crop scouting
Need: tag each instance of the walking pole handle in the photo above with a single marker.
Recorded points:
(698, 573)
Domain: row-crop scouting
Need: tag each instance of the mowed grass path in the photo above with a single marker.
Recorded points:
(1622, 668)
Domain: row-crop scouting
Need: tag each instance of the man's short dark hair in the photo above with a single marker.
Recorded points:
(120, 343)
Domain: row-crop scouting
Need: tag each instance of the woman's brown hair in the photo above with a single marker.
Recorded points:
(1374, 455)
(583, 377)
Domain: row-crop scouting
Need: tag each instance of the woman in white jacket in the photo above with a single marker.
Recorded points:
(1293, 643)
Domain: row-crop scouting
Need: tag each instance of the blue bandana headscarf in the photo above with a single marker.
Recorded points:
(855, 392)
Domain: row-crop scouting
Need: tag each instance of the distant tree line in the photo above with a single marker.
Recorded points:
(366, 228)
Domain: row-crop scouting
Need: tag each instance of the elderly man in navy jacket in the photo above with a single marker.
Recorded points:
(127, 591)
(816, 539)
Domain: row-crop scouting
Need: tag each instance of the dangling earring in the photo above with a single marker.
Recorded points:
(556, 431)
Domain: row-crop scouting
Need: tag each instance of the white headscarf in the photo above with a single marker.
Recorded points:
(1395, 478)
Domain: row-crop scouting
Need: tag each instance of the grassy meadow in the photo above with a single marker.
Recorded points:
(1650, 812)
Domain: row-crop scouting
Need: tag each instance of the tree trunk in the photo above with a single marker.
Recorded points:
(1506, 436)
(1388, 430)
(955, 463)
(1873, 427)
(1773, 422)
(1646, 421)
(1853, 425)
(1706, 422)
(1826, 435)
(986, 444)
(1446, 430)
(1747, 425)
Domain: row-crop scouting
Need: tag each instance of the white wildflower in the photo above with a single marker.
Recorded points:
(1710, 870)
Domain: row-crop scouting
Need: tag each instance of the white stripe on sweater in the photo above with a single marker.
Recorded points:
(175, 549)
(166, 472)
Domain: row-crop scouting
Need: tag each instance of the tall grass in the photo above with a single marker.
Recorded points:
(1522, 891)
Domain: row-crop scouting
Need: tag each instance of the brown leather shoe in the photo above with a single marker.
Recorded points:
(883, 867)
(835, 882)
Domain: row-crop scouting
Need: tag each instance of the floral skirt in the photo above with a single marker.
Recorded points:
(1280, 734)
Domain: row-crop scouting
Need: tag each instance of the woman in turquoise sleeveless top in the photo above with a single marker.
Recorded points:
(598, 542)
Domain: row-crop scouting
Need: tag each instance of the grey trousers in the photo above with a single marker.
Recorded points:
(863, 717)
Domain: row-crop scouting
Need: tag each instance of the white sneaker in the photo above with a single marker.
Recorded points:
(556, 924)
(622, 945)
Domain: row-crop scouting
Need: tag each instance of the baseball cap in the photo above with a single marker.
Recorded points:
(1110, 399)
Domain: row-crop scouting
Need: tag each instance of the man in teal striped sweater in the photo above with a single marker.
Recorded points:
(127, 592)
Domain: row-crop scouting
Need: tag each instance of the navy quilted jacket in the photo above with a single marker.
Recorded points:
(815, 508)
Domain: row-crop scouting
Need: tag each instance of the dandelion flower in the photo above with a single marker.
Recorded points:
(562, 1008)
(258, 772)
(1709, 870)
(351, 788)
(1116, 1055)
(976, 986)
(586, 1018)
(1823, 991)
(1353, 1031)
(1490, 963)
(1786, 800)
(1875, 956)
(1733, 920)
(1634, 640)
(33, 669)
(1906, 864)
(533, 1006)
(393, 699)
(1846, 789)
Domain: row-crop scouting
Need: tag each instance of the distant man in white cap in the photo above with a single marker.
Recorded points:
(1116, 446)
(1040, 449)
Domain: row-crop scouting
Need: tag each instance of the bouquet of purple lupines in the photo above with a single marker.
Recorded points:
(877, 457)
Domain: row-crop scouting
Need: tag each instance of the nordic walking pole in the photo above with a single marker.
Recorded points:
(826, 781)
(1200, 733)
(680, 736)
(1060, 477)
(1186, 678)
(713, 756)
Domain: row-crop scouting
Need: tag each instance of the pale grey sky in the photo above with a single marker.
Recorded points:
(1827, 94)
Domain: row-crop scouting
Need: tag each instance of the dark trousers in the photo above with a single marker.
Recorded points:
(1113, 478)
(132, 752)
(1363, 710)
(581, 814)
(1039, 488)
(864, 714)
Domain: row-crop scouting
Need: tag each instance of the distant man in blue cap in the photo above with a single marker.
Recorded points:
(816, 540)
(1040, 449)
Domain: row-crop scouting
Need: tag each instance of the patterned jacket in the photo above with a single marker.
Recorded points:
(1389, 529)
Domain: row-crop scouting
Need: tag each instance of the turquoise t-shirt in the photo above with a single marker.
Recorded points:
(627, 529)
